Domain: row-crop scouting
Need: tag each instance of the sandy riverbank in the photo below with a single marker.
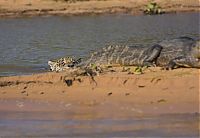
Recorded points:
(155, 91)
(22, 8)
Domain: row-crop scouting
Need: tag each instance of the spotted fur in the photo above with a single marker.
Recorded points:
(63, 63)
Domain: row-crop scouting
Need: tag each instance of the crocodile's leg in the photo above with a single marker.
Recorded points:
(179, 61)
(171, 65)
(153, 53)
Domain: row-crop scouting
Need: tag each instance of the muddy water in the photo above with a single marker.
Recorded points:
(22, 118)
(26, 44)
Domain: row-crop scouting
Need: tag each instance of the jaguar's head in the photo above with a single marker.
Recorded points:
(60, 64)
(63, 63)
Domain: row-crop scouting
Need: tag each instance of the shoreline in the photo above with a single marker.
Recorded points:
(154, 92)
(92, 7)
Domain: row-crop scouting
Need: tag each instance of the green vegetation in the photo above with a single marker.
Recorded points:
(153, 8)
(136, 70)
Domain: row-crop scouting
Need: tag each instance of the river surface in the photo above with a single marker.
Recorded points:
(42, 119)
(26, 44)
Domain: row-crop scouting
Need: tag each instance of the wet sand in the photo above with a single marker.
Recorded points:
(155, 91)
(157, 103)
(23, 8)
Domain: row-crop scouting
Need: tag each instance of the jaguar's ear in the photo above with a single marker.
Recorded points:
(50, 63)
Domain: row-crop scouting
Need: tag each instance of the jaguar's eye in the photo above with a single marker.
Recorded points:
(70, 65)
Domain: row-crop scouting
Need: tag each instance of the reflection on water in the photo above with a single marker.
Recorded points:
(20, 69)
(46, 119)
(171, 126)
(31, 42)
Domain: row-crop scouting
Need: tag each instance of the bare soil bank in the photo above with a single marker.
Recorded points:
(155, 91)
(21, 8)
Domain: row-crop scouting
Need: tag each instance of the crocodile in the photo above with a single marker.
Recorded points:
(170, 54)
(178, 52)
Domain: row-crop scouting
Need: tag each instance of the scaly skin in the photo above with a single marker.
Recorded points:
(179, 52)
(125, 56)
